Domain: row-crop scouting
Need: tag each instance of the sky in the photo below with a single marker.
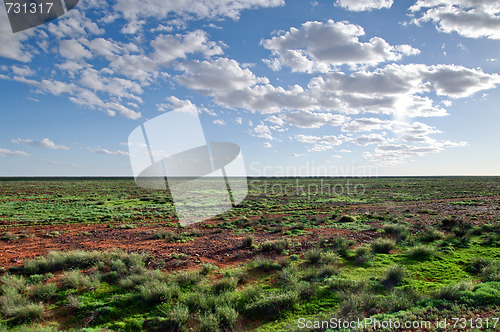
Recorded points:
(337, 88)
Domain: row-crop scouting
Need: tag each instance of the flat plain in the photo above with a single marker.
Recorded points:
(102, 253)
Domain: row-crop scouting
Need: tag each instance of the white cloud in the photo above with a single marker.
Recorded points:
(73, 49)
(262, 131)
(216, 76)
(391, 154)
(219, 122)
(134, 10)
(366, 124)
(369, 139)
(178, 105)
(22, 71)
(239, 120)
(267, 145)
(323, 143)
(43, 143)
(171, 47)
(469, 18)
(307, 119)
(10, 153)
(305, 50)
(74, 25)
(363, 5)
(108, 152)
(13, 44)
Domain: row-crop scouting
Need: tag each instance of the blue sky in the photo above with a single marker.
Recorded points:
(341, 87)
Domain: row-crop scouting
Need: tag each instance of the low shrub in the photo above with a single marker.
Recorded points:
(393, 276)
(421, 252)
(248, 242)
(227, 315)
(206, 268)
(266, 264)
(157, 292)
(362, 255)
(277, 246)
(313, 256)
(43, 292)
(383, 246)
(430, 235)
(347, 218)
(272, 305)
(224, 285)
(399, 232)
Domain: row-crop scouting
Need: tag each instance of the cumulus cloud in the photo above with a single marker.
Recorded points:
(363, 5)
(406, 90)
(318, 144)
(178, 105)
(307, 119)
(267, 145)
(72, 49)
(262, 131)
(367, 124)
(135, 10)
(109, 152)
(217, 76)
(469, 18)
(43, 143)
(391, 154)
(219, 122)
(171, 47)
(10, 153)
(13, 46)
(369, 139)
(320, 47)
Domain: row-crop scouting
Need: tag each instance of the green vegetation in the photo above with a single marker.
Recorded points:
(431, 252)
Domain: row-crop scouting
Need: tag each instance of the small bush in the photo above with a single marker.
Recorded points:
(421, 252)
(188, 278)
(27, 312)
(393, 276)
(313, 256)
(43, 292)
(209, 322)
(206, 268)
(399, 232)
(277, 246)
(449, 222)
(272, 305)
(77, 280)
(248, 242)
(453, 292)
(12, 282)
(431, 235)
(383, 246)
(176, 318)
(355, 304)
(227, 315)
(224, 285)
(154, 292)
(266, 264)
(347, 218)
(362, 255)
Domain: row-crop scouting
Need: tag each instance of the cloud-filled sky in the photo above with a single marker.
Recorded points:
(345, 87)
